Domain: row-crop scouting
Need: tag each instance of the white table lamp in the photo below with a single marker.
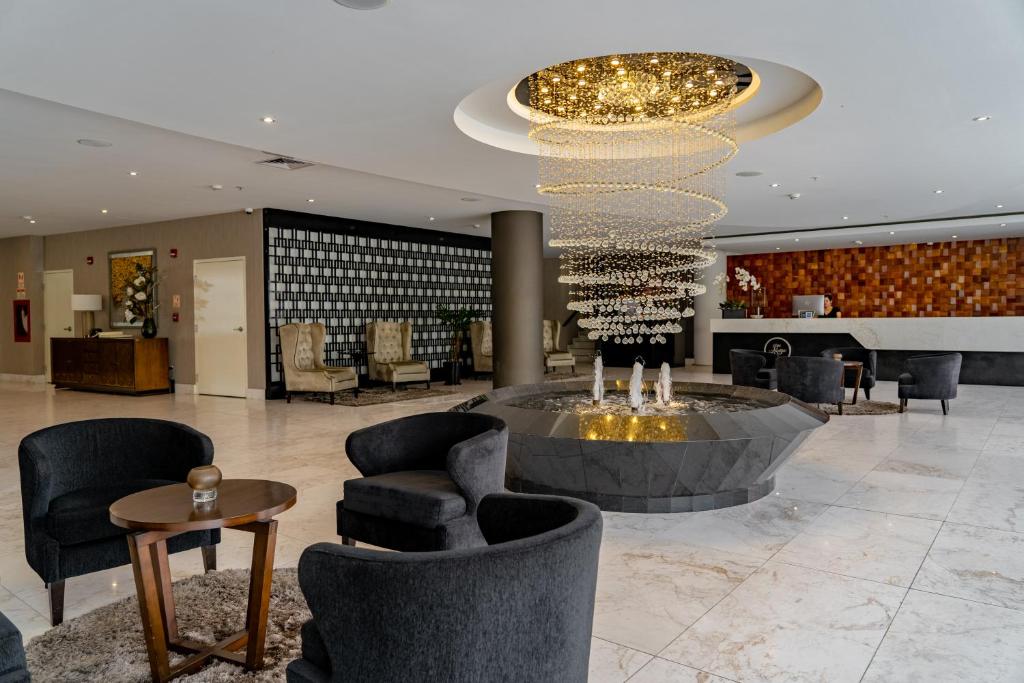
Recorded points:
(87, 303)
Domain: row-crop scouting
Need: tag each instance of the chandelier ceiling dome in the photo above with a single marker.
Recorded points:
(630, 148)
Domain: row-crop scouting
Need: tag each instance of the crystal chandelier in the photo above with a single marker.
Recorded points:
(630, 146)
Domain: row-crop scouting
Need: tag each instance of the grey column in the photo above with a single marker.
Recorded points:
(517, 292)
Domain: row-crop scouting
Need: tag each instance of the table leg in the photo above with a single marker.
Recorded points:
(856, 386)
(163, 576)
(148, 585)
(259, 590)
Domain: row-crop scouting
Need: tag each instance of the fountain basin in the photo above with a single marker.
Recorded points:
(715, 446)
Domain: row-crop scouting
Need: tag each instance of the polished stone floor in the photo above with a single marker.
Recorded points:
(892, 549)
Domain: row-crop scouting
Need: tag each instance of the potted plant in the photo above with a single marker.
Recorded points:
(457, 320)
(731, 308)
(140, 299)
(748, 282)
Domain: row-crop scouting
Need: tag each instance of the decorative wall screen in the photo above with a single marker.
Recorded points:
(346, 273)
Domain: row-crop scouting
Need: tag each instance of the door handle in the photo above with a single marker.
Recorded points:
(67, 329)
(238, 329)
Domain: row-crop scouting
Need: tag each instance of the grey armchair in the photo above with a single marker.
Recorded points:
(811, 379)
(423, 478)
(518, 609)
(753, 368)
(70, 475)
(868, 357)
(13, 668)
(931, 377)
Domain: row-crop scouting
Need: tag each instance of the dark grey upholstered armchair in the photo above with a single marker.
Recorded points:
(752, 368)
(12, 654)
(519, 609)
(70, 475)
(868, 375)
(811, 379)
(931, 377)
(423, 478)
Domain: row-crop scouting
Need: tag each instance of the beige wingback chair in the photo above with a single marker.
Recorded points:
(553, 358)
(302, 352)
(389, 350)
(483, 345)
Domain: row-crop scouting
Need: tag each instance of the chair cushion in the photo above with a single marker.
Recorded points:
(411, 367)
(768, 378)
(84, 515)
(304, 349)
(426, 498)
(487, 341)
(313, 646)
(561, 356)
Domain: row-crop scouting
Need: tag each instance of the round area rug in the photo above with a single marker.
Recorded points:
(373, 396)
(107, 643)
(862, 408)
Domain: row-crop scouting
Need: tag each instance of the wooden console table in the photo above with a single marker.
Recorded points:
(127, 365)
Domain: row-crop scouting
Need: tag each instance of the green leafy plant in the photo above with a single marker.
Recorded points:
(732, 304)
(457, 320)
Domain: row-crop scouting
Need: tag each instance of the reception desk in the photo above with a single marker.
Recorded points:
(992, 347)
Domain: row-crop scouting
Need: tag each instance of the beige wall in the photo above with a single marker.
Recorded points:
(556, 298)
(203, 237)
(21, 255)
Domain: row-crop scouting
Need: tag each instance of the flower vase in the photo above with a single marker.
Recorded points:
(758, 301)
(148, 328)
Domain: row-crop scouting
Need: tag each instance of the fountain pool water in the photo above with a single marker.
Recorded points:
(711, 446)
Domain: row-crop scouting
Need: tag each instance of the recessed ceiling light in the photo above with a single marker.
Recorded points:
(794, 195)
(1002, 225)
(216, 187)
(954, 236)
(846, 218)
(892, 232)
(476, 225)
(430, 218)
(88, 142)
(938, 191)
(470, 199)
(28, 218)
(858, 241)
(537, 186)
(999, 206)
(796, 239)
(133, 173)
(310, 200)
(33, 222)
(103, 210)
(778, 248)
(982, 118)
(268, 119)
(775, 184)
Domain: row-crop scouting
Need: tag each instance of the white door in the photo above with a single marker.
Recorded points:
(58, 318)
(219, 291)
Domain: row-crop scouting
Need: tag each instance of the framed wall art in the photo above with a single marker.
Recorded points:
(124, 268)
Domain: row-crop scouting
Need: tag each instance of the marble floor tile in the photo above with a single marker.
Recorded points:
(612, 663)
(993, 496)
(863, 544)
(663, 671)
(649, 592)
(903, 494)
(935, 639)
(28, 620)
(948, 462)
(814, 482)
(756, 530)
(791, 624)
(976, 563)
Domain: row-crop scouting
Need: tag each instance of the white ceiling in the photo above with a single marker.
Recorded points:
(179, 88)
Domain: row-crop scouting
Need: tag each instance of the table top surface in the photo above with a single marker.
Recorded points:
(170, 508)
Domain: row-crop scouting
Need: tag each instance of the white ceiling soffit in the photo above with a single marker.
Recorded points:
(375, 93)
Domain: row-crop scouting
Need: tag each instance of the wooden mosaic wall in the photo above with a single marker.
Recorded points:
(968, 278)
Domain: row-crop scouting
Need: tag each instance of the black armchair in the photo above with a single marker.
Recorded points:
(423, 478)
(753, 368)
(930, 377)
(520, 609)
(812, 379)
(70, 475)
(13, 668)
(869, 374)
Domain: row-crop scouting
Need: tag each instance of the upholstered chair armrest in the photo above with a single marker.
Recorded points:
(13, 668)
(905, 379)
(179, 450)
(41, 549)
(477, 465)
(937, 374)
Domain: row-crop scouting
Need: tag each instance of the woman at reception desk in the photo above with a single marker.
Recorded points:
(992, 347)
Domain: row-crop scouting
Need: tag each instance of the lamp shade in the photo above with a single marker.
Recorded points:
(86, 302)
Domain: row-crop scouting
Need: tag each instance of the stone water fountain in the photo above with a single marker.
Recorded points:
(696, 446)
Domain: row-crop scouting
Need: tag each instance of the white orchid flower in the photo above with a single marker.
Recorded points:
(129, 291)
(140, 296)
(139, 281)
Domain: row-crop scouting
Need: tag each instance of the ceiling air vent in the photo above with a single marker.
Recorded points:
(285, 163)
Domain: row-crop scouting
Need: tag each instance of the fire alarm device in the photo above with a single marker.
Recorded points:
(175, 317)
(89, 260)
(174, 252)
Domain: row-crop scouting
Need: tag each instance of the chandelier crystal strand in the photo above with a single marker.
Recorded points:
(630, 151)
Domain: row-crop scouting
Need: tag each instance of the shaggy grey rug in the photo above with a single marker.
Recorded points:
(107, 644)
(863, 408)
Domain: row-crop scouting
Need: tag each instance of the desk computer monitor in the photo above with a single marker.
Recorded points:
(809, 306)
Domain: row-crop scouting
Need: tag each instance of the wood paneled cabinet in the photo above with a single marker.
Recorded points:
(130, 365)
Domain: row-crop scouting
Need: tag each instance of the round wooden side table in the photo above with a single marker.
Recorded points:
(852, 365)
(160, 513)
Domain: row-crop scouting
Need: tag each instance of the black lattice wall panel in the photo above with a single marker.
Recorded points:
(347, 273)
